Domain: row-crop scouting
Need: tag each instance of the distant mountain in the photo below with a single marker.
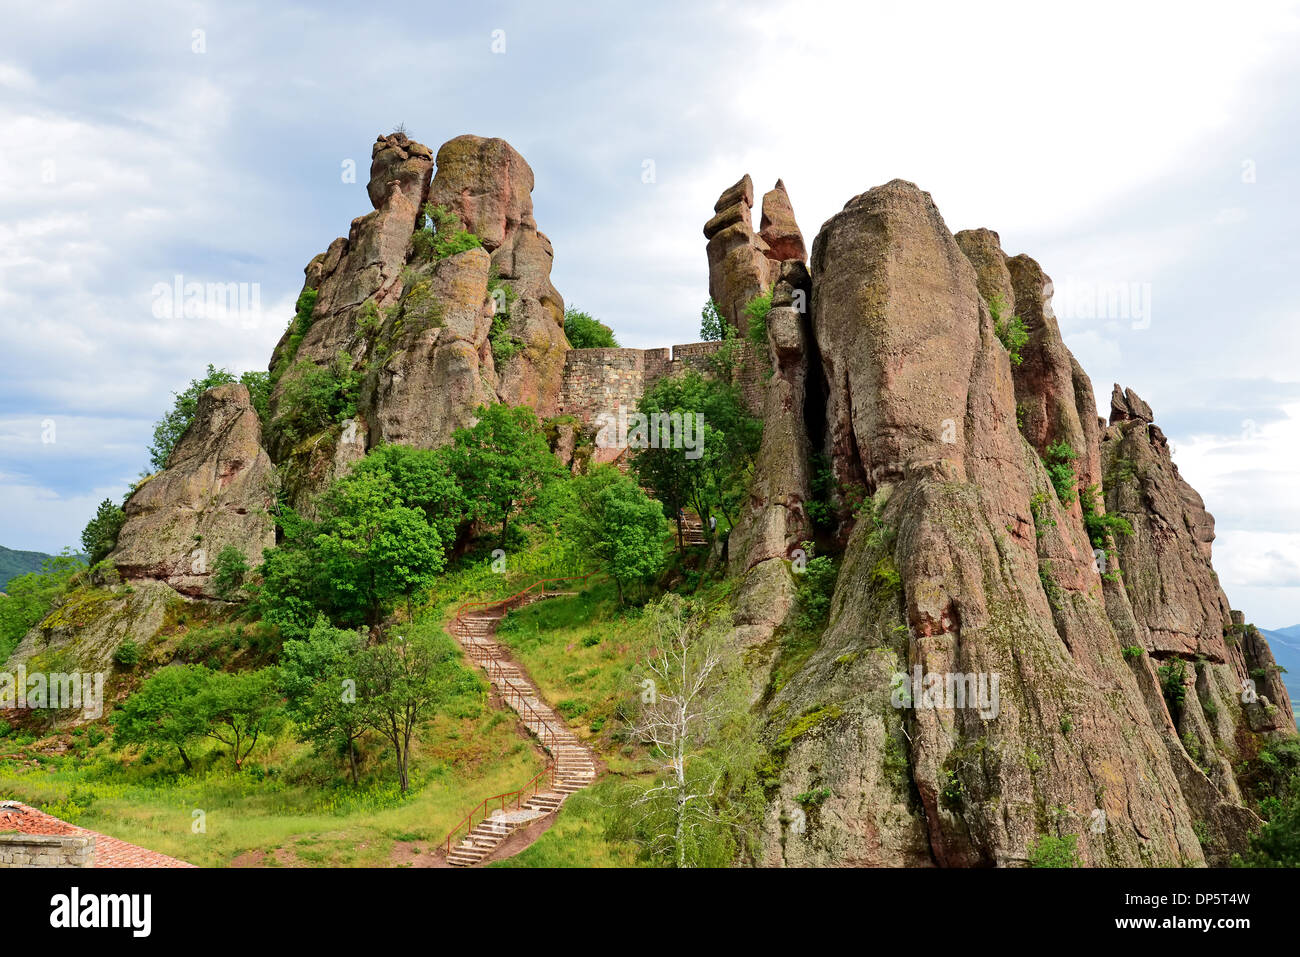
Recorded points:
(1285, 643)
(14, 563)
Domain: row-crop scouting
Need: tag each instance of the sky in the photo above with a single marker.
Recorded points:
(1145, 157)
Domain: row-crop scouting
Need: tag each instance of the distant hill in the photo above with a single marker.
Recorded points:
(14, 563)
(1285, 643)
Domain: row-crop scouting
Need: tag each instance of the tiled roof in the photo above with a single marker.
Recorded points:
(109, 851)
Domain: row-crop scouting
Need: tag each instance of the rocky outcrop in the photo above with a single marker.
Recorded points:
(489, 186)
(947, 572)
(418, 332)
(1165, 563)
(215, 492)
(778, 229)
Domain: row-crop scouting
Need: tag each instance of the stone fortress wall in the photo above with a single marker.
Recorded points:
(599, 380)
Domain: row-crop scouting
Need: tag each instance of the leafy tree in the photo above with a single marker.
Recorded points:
(502, 462)
(403, 682)
(716, 480)
(259, 391)
(164, 711)
(584, 332)
(237, 709)
(28, 598)
(695, 720)
(169, 429)
(621, 526)
(713, 328)
(99, 537)
(320, 678)
(293, 589)
(229, 571)
(424, 480)
(372, 549)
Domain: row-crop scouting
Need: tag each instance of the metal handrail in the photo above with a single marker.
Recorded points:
(530, 789)
(491, 663)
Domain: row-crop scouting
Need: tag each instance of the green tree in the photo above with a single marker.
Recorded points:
(28, 598)
(169, 429)
(229, 571)
(621, 526)
(423, 479)
(164, 711)
(320, 679)
(585, 332)
(238, 709)
(713, 328)
(403, 682)
(756, 312)
(99, 537)
(502, 462)
(372, 549)
(729, 436)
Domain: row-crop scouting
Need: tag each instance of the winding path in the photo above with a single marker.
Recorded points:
(572, 764)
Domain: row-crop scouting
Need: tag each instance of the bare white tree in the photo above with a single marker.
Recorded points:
(694, 719)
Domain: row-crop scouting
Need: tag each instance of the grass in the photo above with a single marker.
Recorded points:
(577, 838)
(578, 650)
(292, 804)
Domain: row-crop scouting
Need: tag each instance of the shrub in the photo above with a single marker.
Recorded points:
(1101, 528)
(814, 590)
(1172, 674)
(756, 312)
(1010, 330)
(127, 654)
(1059, 460)
(439, 234)
(585, 332)
(1051, 851)
(229, 571)
(1131, 652)
(298, 326)
(314, 397)
(713, 328)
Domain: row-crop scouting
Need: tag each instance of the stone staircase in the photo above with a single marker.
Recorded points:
(693, 529)
(572, 766)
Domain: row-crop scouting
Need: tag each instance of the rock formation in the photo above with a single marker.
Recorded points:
(215, 492)
(965, 562)
(419, 332)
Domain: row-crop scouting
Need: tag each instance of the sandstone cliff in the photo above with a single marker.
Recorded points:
(967, 561)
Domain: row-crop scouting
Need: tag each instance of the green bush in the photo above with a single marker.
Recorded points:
(1059, 460)
(1132, 651)
(1101, 528)
(439, 234)
(127, 654)
(1010, 330)
(585, 332)
(756, 312)
(315, 397)
(229, 571)
(1051, 851)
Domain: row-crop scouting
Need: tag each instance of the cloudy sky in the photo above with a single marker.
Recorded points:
(1146, 151)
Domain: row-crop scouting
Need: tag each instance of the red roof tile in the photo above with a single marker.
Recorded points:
(109, 851)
